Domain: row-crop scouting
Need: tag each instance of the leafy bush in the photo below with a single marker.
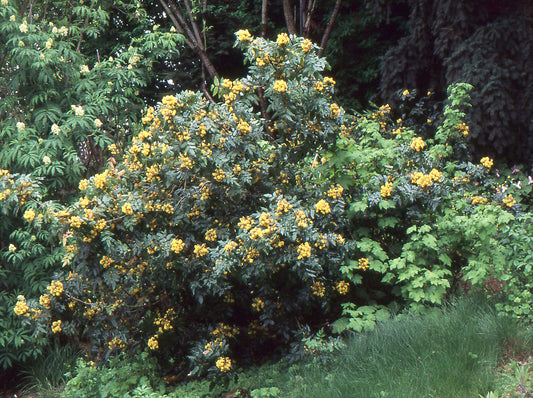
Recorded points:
(208, 237)
(425, 221)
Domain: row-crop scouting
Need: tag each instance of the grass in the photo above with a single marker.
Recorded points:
(457, 351)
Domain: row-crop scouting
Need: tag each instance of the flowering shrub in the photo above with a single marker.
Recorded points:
(208, 237)
(426, 221)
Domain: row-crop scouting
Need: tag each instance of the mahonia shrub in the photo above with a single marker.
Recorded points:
(425, 220)
(209, 237)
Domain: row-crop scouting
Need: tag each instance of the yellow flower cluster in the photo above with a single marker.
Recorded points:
(283, 206)
(282, 39)
(127, 209)
(318, 86)
(418, 144)
(335, 191)
(169, 101)
(29, 215)
(55, 288)
(200, 250)
(153, 344)
(487, 162)
(386, 190)
(258, 304)
(243, 35)
(106, 261)
(186, 162)
(363, 263)
(421, 179)
(318, 289)
(245, 223)
(100, 179)
(230, 246)
(280, 86)
(56, 326)
(21, 308)
(116, 343)
(306, 45)
(304, 251)
(509, 200)
(223, 364)
(323, 207)
(335, 110)
(301, 219)
(435, 175)
(342, 287)
(45, 301)
(211, 235)
(463, 129)
(479, 200)
(219, 175)
(244, 127)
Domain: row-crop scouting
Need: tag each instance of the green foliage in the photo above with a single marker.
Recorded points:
(424, 220)
(120, 378)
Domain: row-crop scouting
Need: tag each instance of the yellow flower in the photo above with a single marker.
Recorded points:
(487, 162)
(258, 304)
(55, 288)
(329, 80)
(342, 287)
(363, 263)
(306, 45)
(211, 235)
(282, 39)
(75, 222)
(200, 250)
(463, 129)
(323, 207)
(386, 190)
(177, 245)
(219, 175)
(243, 35)
(280, 86)
(169, 101)
(45, 300)
(186, 162)
(423, 180)
(83, 185)
(405, 92)
(29, 215)
(318, 86)
(153, 344)
(335, 191)
(435, 175)
(509, 200)
(318, 289)
(244, 127)
(304, 251)
(100, 179)
(283, 206)
(127, 209)
(418, 144)
(21, 308)
(230, 246)
(56, 326)
(223, 364)
(335, 110)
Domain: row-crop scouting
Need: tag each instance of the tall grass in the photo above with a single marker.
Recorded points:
(449, 352)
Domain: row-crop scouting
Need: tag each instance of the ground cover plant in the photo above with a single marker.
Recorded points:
(266, 220)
